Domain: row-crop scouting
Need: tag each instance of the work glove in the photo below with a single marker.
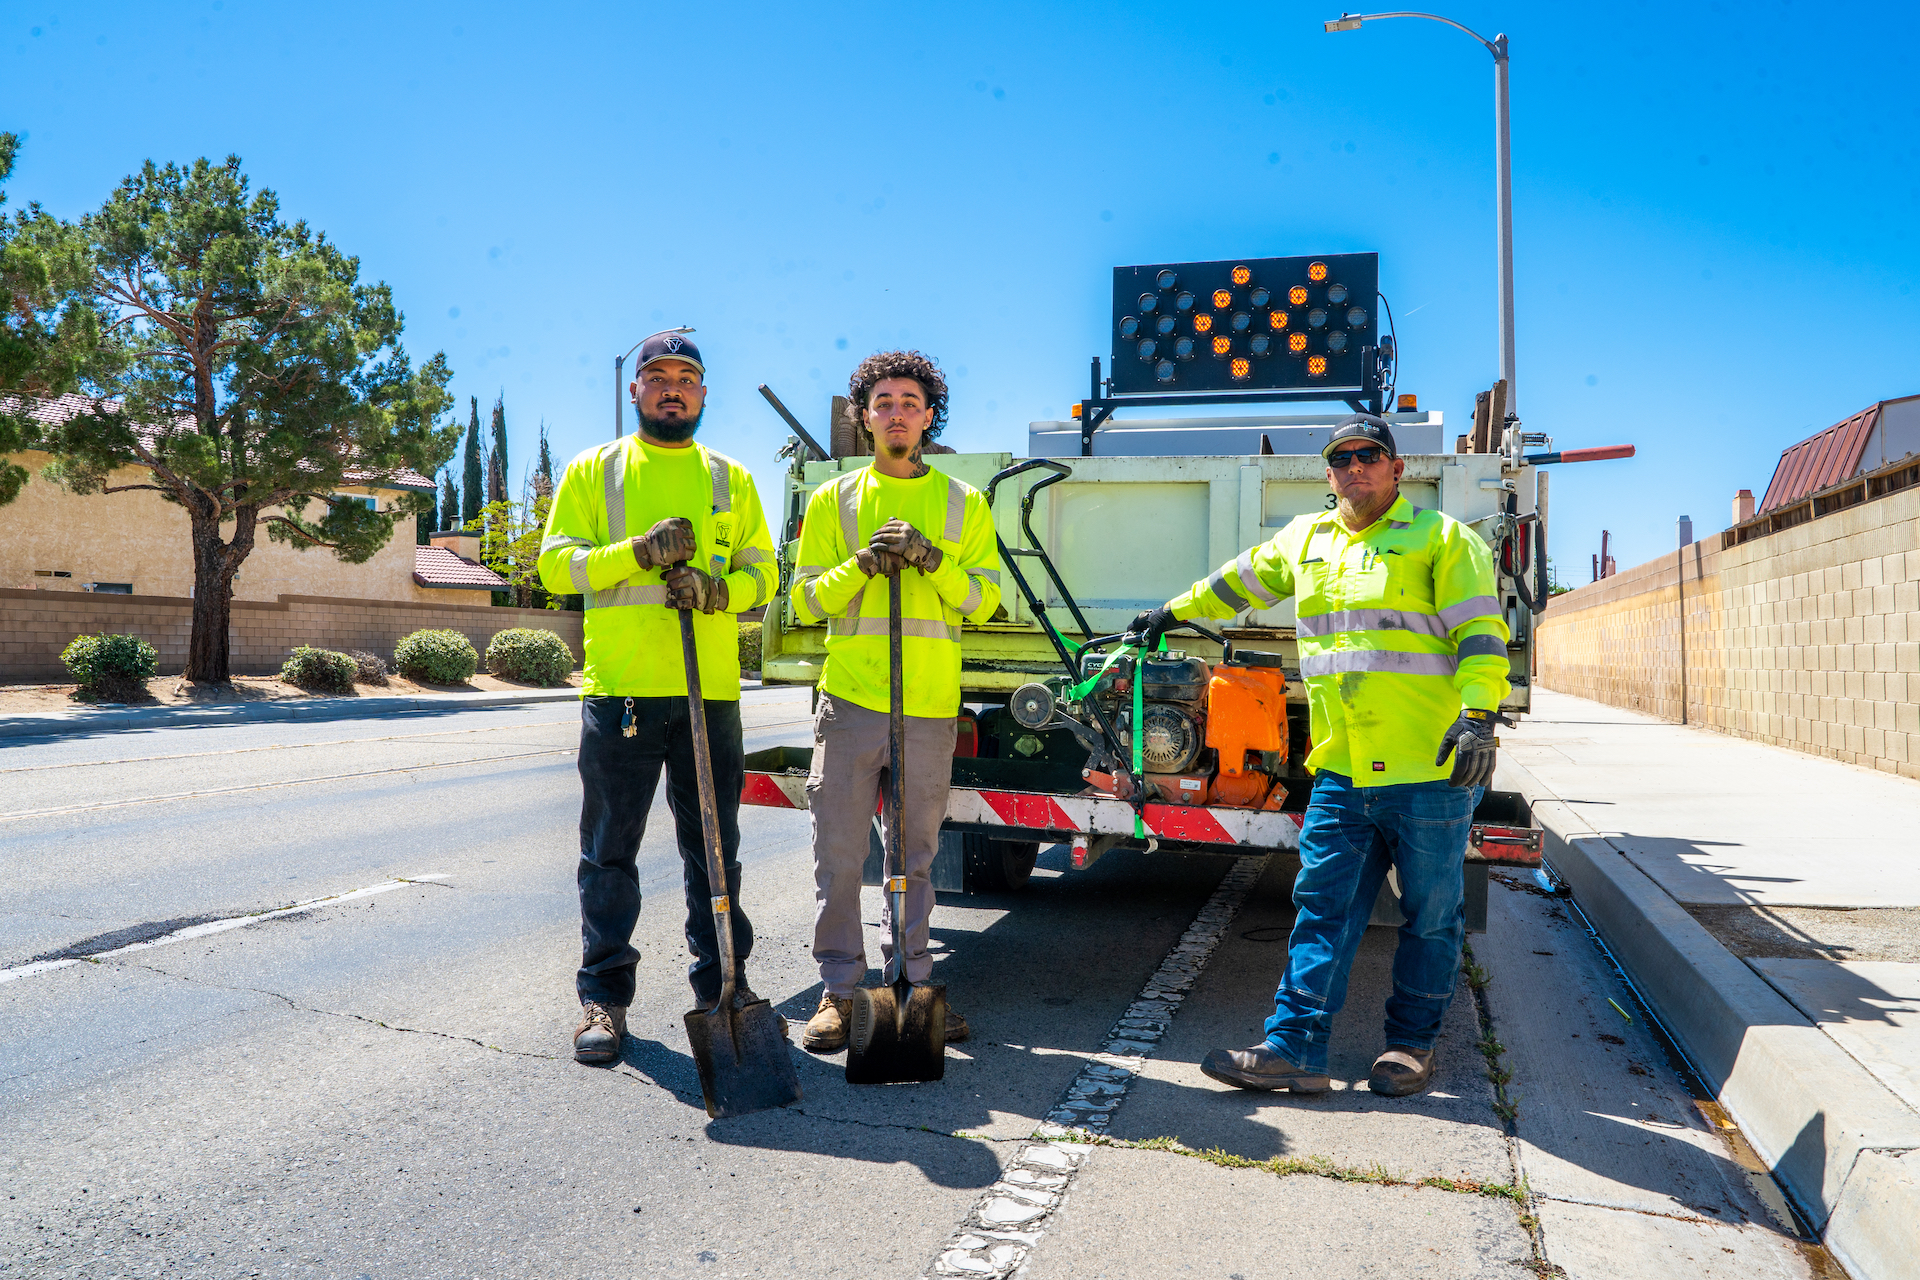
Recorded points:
(878, 563)
(690, 588)
(1472, 741)
(1148, 627)
(907, 542)
(669, 542)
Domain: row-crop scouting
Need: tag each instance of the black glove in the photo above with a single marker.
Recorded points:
(1472, 741)
(1148, 627)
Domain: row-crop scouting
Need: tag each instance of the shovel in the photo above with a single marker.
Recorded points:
(899, 1032)
(743, 1059)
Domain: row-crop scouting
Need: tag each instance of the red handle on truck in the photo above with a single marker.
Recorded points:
(1598, 454)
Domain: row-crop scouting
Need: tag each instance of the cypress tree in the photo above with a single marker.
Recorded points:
(474, 478)
(497, 489)
(543, 469)
(449, 501)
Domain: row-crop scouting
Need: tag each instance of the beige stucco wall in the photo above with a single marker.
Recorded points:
(1807, 638)
(140, 538)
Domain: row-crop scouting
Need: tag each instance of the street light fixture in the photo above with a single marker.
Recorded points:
(1503, 162)
(619, 385)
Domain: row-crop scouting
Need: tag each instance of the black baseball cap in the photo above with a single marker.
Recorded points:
(1362, 427)
(670, 345)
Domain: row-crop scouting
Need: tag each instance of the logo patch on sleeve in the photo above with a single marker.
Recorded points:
(1379, 766)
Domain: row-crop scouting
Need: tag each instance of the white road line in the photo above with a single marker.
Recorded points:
(1011, 1216)
(212, 927)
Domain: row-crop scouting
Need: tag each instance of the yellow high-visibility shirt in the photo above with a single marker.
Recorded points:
(827, 585)
(1399, 626)
(618, 491)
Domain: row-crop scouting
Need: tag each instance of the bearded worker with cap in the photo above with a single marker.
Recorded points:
(642, 528)
(1403, 649)
(897, 516)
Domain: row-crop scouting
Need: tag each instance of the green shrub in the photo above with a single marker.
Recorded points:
(112, 668)
(437, 657)
(371, 668)
(533, 655)
(749, 646)
(319, 670)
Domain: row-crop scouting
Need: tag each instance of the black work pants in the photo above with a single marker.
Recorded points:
(619, 776)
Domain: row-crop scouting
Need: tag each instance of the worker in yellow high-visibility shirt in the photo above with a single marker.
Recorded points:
(1403, 649)
(896, 516)
(643, 527)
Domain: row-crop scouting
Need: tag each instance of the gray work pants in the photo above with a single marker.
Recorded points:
(848, 778)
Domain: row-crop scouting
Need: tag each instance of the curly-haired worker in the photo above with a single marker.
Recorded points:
(896, 516)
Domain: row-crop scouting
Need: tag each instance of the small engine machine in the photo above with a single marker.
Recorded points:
(1211, 733)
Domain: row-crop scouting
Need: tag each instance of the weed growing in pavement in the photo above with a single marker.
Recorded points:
(1314, 1166)
(1505, 1105)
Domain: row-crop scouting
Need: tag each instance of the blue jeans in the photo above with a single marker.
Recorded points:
(1351, 836)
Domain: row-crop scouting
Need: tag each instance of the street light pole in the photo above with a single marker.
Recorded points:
(619, 384)
(1502, 146)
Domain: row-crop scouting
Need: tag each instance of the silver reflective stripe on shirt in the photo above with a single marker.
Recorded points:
(577, 572)
(1223, 589)
(972, 601)
(1345, 660)
(749, 555)
(1326, 624)
(722, 488)
(1483, 646)
(1458, 615)
(920, 628)
(991, 575)
(1250, 581)
(628, 594)
(956, 511)
(576, 561)
(813, 601)
(1413, 513)
(849, 499)
(614, 475)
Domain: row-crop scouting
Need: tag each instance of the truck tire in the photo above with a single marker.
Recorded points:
(997, 866)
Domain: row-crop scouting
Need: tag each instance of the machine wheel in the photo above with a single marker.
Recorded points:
(997, 866)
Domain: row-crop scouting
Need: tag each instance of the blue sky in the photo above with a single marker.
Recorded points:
(1717, 207)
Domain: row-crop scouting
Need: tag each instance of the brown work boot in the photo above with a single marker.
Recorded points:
(957, 1029)
(826, 1030)
(596, 1040)
(1262, 1067)
(1401, 1071)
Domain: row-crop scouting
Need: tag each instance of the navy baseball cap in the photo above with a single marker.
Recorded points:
(1363, 429)
(670, 345)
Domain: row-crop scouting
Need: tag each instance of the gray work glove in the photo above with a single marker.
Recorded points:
(877, 562)
(669, 542)
(691, 588)
(1474, 746)
(907, 542)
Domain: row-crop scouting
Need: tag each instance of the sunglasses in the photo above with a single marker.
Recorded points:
(1341, 459)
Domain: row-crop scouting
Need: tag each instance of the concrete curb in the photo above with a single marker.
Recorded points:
(1831, 1132)
(67, 723)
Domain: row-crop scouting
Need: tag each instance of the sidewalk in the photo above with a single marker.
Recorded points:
(1767, 904)
(87, 720)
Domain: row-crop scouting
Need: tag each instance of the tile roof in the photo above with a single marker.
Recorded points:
(439, 568)
(1820, 461)
(53, 412)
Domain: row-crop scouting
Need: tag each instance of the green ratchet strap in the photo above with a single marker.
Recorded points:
(1076, 692)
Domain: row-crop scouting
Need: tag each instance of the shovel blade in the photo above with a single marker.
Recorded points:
(898, 1035)
(743, 1060)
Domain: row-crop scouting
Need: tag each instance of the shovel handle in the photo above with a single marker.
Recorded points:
(709, 811)
(896, 761)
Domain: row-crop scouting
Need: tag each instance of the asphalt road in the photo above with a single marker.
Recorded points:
(379, 1085)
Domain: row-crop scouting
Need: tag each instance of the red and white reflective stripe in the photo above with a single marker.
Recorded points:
(1085, 815)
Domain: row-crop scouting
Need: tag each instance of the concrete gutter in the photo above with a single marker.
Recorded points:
(1846, 1147)
(49, 724)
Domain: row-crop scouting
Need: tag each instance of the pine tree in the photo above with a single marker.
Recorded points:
(474, 478)
(497, 487)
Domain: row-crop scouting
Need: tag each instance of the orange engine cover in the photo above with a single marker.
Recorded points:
(1246, 711)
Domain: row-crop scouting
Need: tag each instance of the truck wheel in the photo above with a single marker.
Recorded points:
(997, 866)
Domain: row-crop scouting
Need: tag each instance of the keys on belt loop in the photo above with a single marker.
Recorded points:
(627, 727)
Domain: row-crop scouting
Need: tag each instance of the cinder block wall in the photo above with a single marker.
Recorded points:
(36, 625)
(1807, 638)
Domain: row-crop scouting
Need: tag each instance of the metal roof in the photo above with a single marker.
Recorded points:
(1820, 460)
